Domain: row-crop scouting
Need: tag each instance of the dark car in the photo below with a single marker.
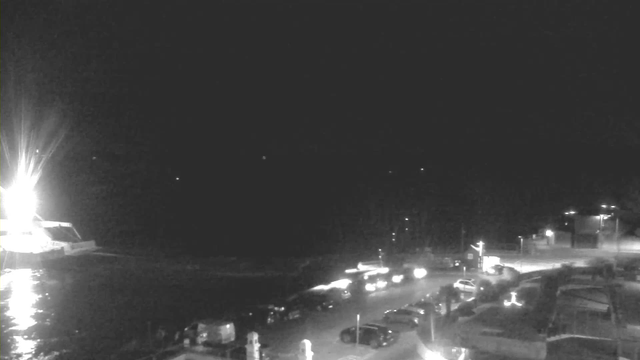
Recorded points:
(259, 315)
(338, 295)
(373, 335)
(410, 316)
(287, 310)
(313, 301)
(428, 306)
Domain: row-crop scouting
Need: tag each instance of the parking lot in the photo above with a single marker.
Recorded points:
(323, 328)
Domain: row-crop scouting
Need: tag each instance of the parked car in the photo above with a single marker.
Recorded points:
(497, 269)
(411, 316)
(428, 306)
(338, 295)
(259, 315)
(287, 310)
(466, 285)
(210, 332)
(313, 301)
(373, 335)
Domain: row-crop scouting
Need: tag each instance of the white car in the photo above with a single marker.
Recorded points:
(466, 285)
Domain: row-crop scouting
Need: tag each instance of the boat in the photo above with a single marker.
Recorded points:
(39, 241)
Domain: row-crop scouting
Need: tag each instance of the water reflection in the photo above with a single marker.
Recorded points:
(19, 298)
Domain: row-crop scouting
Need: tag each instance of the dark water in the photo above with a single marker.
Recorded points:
(92, 308)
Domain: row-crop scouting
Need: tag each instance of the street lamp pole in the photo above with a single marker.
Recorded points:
(480, 250)
(617, 235)
(357, 331)
(521, 246)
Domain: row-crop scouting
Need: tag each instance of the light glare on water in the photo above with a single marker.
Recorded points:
(20, 285)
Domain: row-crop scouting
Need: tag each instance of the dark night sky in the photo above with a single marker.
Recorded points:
(503, 98)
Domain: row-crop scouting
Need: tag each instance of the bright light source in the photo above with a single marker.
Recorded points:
(394, 234)
(548, 233)
(612, 206)
(351, 271)
(421, 169)
(380, 284)
(32, 242)
(177, 179)
(433, 355)
(513, 300)
(383, 270)
(397, 278)
(320, 288)
(603, 206)
(407, 219)
(20, 203)
(407, 229)
(370, 287)
(264, 158)
(340, 284)
(419, 273)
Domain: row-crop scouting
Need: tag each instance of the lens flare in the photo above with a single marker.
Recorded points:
(27, 150)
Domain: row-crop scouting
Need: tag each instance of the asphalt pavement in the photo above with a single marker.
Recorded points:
(323, 328)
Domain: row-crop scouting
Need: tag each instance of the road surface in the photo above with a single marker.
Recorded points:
(323, 329)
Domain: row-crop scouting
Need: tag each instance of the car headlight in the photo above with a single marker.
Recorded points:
(381, 284)
(370, 287)
(419, 273)
(397, 278)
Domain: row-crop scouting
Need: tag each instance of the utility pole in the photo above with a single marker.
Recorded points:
(617, 235)
(462, 239)
(357, 332)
